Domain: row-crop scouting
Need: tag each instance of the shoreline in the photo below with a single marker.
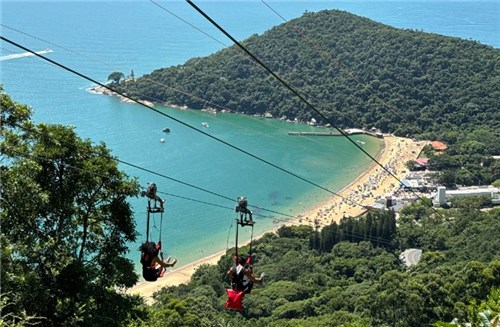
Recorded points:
(373, 183)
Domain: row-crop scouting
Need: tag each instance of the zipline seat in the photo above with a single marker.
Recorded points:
(234, 300)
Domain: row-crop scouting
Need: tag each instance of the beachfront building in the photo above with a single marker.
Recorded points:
(422, 181)
(443, 195)
(392, 202)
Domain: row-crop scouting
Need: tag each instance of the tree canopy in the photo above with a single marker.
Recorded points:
(65, 225)
(116, 77)
(358, 281)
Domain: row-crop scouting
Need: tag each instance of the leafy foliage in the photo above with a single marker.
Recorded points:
(65, 224)
(378, 228)
(116, 77)
(360, 282)
(469, 159)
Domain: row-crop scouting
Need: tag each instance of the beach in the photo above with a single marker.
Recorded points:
(372, 184)
(350, 202)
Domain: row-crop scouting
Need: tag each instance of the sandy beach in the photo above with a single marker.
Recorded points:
(375, 182)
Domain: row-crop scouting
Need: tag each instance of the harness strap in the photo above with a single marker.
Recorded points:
(159, 238)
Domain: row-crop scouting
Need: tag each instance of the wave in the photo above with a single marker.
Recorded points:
(24, 54)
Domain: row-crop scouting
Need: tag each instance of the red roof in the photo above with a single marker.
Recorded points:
(437, 145)
(422, 161)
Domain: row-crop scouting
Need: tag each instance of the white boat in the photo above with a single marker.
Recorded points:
(205, 124)
(162, 140)
(360, 142)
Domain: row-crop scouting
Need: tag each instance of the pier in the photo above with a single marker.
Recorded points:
(315, 133)
(347, 131)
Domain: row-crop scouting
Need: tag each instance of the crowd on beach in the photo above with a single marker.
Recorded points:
(377, 182)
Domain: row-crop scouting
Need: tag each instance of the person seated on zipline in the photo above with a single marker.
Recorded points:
(242, 277)
(152, 266)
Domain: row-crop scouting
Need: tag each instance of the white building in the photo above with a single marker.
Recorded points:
(443, 194)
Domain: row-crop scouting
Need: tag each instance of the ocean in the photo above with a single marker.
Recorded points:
(96, 38)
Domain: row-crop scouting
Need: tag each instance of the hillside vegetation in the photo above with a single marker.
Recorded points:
(358, 72)
(350, 274)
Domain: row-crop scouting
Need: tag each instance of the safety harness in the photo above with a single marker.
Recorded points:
(239, 288)
(155, 205)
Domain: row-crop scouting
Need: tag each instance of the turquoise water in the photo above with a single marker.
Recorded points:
(120, 36)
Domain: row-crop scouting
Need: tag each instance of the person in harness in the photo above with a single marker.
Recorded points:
(242, 280)
(242, 277)
(152, 266)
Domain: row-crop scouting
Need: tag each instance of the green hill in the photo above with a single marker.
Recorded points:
(358, 72)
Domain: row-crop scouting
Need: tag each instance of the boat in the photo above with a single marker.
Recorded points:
(205, 124)
(162, 140)
(166, 130)
(360, 142)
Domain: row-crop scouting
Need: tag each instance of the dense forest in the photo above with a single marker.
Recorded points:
(469, 159)
(359, 278)
(66, 220)
(357, 72)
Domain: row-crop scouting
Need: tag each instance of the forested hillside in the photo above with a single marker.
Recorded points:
(359, 73)
(66, 221)
(350, 274)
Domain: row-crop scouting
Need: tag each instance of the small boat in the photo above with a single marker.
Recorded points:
(205, 124)
(360, 142)
(166, 130)
(162, 140)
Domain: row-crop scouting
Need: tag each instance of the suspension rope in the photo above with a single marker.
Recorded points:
(304, 100)
(27, 155)
(197, 129)
(169, 178)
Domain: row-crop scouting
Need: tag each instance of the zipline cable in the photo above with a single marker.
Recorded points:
(154, 81)
(163, 176)
(286, 84)
(190, 126)
(290, 88)
(327, 55)
(28, 155)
